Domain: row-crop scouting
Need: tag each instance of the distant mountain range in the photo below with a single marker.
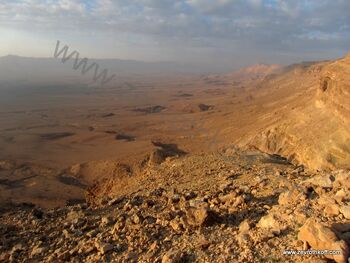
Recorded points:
(36, 70)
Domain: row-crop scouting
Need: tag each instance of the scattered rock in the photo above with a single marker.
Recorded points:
(37, 251)
(103, 247)
(107, 220)
(201, 216)
(291, 197)
(74, 215)
(271, 222)
(244, 227)
(173, 256)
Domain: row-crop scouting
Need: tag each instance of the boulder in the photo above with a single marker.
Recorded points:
(345, 210)
(321, 237)
(323, 181)
(325, 200)
(103, 247)
(271, 222)
(341, 195)
(244, 227)
(291, 197)
(331, 210)
(342, 179)
(201, 216)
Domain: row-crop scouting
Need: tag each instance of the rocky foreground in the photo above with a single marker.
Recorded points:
(233, 207)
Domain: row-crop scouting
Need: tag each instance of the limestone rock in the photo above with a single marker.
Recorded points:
(173, 256)
(244, 227)
(103, 247)
(320, 237)
(341, 195)
(229, 198)
(271, 222)
(324, 181)
(37, 251)
(201, 216)
(107, 220)
(74, 215)
(290, 197)
(332, 210)
(345, 210)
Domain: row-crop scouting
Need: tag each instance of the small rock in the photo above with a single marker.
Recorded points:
(37, 251)
(190, 195)
(116, 201)
(103, 247)
(175, 198)
(325, 200)
(136, 219)
(64, 256)
(291, 197)
(239, 201)
(132, 256)
(244, 227)
(66, 233)
(332, 210)
(173, 256)
(340, 196)
(201, 216)
(345, 210)
(107, 220)
(176, 225)
(324, 181)
(229, 198)
(272, 223)
(74, 215)
(16, 248)
(242, 239)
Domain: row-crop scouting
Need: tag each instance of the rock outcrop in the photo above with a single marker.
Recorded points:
(313, 123)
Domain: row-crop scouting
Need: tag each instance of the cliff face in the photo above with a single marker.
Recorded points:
(335, 87)
(314, 118)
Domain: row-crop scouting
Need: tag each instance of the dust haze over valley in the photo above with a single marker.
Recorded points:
(220, 134)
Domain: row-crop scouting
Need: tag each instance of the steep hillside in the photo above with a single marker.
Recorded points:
(310, 120)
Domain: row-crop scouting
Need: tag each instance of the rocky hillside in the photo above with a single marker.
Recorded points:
(232, 207)
(310, 120)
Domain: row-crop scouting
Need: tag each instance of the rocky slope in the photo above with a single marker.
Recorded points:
(310, 122)
(231, 207)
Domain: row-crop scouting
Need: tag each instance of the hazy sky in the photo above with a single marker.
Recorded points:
(217, 32)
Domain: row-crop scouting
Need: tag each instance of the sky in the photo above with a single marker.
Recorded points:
(220, 33)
